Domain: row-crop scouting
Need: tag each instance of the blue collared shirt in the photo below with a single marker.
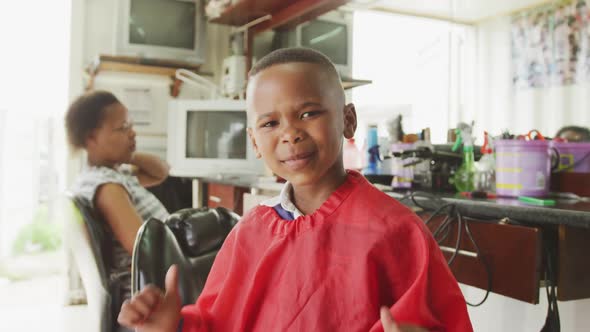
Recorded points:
(283, 204)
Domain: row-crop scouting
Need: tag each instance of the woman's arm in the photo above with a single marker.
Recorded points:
(149, 169)
(113, 203)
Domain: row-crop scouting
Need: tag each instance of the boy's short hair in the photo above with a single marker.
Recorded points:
(85, 114)
(294, 54)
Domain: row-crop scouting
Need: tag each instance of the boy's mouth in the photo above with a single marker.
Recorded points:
(298, 161)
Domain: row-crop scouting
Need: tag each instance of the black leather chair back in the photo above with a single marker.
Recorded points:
(189, 238)
(100, 246)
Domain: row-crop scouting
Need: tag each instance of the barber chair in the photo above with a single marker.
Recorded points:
(189, 238)
(86, 239)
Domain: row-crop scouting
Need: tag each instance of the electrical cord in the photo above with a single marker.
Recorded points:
(552, 322)
(485, 264)
(440, 234)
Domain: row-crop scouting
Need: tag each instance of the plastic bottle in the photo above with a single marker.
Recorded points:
(402, 176)
(353, 157)
(464, 175)
(373, 157)
(485, 168)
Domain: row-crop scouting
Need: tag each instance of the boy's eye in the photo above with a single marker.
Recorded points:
(125, 126)
(268, 124)
(309, 114)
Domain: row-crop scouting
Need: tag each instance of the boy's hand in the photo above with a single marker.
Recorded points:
(151, 310)
(389, 324)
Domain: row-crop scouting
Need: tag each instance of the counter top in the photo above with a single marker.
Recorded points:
(573, 213)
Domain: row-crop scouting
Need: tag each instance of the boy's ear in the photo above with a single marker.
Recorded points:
(253, 140)
(349, 121)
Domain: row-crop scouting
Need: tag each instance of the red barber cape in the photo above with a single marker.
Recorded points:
(330, 271)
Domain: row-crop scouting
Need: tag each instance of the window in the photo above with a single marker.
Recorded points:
(420, 68)
(33, 97)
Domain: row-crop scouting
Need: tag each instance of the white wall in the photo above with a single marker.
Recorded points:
(500, 107)
(500, 313)
(493, 94)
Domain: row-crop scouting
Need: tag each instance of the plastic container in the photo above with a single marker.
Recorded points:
(402, 176)
(573, 156)
(485, 169)
(353, 157)
(523, 168)
(372, 151)
(484, 178)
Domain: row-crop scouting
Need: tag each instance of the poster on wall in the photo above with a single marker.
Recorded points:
(551, 45)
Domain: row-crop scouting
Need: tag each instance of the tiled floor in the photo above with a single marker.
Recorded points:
(37, 305)
(36, 302)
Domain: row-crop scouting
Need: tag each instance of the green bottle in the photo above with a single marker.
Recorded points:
(463, 178)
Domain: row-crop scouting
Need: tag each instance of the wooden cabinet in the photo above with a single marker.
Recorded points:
(513, 254)
(573, 270)
(284, 13)
(227, 196)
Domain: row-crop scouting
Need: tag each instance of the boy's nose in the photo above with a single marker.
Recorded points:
(292, 136)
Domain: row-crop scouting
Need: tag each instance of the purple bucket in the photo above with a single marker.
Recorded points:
(573, 156)
(522, 167)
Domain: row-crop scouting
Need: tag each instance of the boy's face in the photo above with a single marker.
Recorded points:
(298, 120)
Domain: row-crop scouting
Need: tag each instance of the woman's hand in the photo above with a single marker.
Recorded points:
(150, 170)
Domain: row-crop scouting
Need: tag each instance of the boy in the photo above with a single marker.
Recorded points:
(331, 250)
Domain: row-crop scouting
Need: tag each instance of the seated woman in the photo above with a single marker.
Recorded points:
(115, 176)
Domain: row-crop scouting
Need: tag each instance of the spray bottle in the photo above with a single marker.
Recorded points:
(464, 175)
(373, 155)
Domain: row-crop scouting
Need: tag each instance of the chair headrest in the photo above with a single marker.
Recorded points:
(201, 230)
(189, 238)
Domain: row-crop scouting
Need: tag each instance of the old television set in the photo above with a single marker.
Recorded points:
(330, 34)
(162, 29)
(209, 138)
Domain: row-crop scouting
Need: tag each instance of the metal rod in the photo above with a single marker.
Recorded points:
(461, 252)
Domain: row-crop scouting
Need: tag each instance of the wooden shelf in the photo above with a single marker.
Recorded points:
(141, 66)
(285, 13)
(349, 83)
